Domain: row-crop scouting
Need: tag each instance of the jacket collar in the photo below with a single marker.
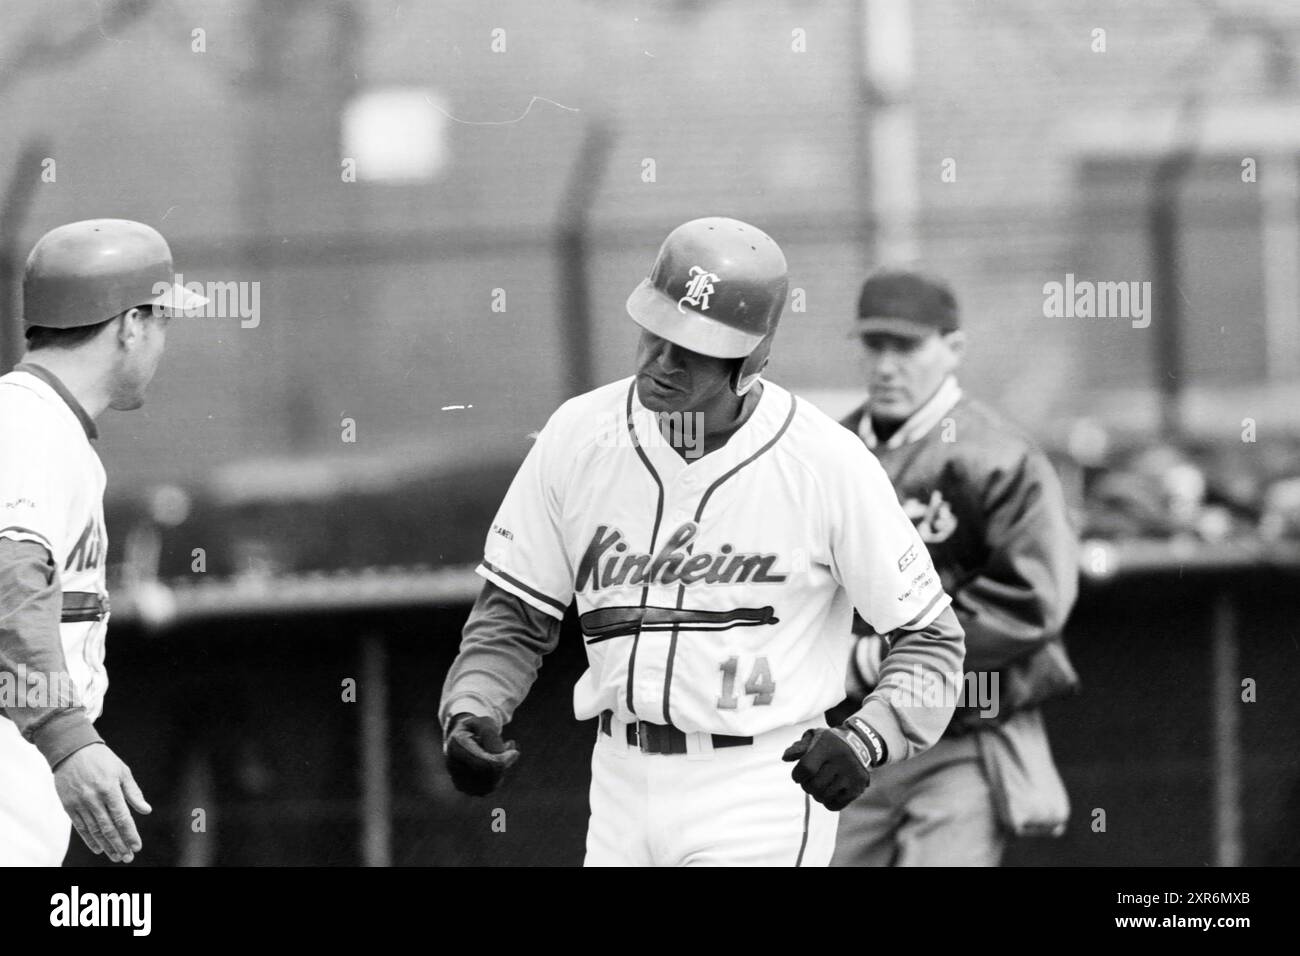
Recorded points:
(923, 419)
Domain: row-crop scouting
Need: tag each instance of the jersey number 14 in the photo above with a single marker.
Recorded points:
(760, 684)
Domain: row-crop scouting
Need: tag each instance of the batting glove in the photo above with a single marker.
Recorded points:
(833, 764)
(477, 758)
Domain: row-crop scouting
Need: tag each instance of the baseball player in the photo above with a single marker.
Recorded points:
(95, 323)
(990, 509)
(716, 533)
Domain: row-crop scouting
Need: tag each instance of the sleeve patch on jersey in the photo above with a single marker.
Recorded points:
(908, 557)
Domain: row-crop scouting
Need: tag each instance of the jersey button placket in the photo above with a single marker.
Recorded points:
(686, 496)
(652, 657)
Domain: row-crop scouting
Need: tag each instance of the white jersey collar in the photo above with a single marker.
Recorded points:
(60, 395)
(766, 420)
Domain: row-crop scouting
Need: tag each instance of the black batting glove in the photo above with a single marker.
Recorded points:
(477, 758)
(833, 764)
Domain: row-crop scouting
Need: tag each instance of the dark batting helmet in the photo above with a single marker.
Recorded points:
(88, 272)
(717, 288)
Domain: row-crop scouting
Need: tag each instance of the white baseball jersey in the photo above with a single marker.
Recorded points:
(52, 492)
(715, 594)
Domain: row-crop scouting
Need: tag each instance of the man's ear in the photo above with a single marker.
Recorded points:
(130, 326)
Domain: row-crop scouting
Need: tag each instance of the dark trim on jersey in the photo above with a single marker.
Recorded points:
(926, 610)
(651, 628)
(81, 606)
(525, 588)
(654, 536)
(699, 514)
(36, 534)
(603, 623)
(54, 382)
(803, 844)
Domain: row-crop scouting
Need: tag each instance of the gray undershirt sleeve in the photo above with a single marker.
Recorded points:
(31, 652)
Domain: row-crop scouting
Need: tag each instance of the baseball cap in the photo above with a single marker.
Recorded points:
(910, 304)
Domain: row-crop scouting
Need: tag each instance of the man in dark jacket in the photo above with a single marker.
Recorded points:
(990, 509)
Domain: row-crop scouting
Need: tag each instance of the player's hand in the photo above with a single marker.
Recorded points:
(833, 766)
(477, 758)
(98, 792)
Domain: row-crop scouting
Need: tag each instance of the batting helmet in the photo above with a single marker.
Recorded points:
(717, 288)
(87, 272)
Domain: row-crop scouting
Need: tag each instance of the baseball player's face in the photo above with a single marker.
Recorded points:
(142, 339)
(670, 378)
(904, 371)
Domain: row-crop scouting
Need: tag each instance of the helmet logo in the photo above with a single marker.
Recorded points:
(698, 289)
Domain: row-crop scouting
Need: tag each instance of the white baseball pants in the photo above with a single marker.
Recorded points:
(733, 806)
(34, 828)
